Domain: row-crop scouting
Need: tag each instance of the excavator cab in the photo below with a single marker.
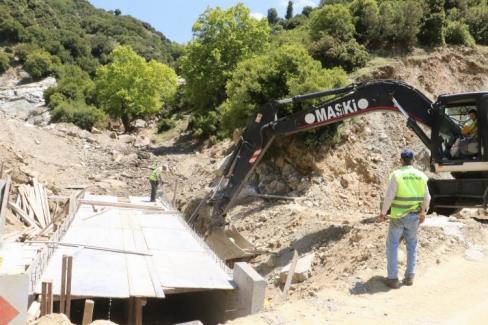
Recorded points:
(459, 133)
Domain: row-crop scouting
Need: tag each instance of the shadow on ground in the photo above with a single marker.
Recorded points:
(303, 245)
(184, 144)
(374, 285)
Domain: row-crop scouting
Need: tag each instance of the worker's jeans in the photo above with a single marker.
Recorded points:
(154, 189)
(406, 226)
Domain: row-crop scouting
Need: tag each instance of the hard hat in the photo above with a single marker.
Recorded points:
(407, 155)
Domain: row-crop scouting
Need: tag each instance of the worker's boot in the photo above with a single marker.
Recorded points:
(392, 283)
(408, 281)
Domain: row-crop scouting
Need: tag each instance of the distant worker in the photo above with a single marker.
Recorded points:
(155, 178)
(409, 198)
(467, 145)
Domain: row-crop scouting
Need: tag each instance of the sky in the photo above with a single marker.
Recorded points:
(175, 18)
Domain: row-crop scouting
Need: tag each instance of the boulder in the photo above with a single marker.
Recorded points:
(302, 269)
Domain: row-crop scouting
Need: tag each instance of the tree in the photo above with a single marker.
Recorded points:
(222, 38)
(284, 72)
(307, 10)
(334, 20)
(272, 16)
(289, 10)
(366, 20)
(433, 24)
(131, 88)
(117, 12)
(477, 21)
(399, 24)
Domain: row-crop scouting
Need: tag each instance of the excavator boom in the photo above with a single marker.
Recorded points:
(469, 188)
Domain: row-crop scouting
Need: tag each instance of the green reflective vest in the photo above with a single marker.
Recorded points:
(154, 175)
(410, 191)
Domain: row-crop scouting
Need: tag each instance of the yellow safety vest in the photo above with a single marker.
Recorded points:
(154, 175)
(470, 128)
(410, 191)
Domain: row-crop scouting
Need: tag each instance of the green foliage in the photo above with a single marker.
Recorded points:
(366, 20)
(289, 10)
(399, 24)
(165, 124)
(75, 32)
(39, 64)
(4, 62)
(331, 53)
(433, 24)
(307, 10)
(283, 72)
(23, 50)
(205, 125)
(131, 88)
(10, 29)
(222, 38)
(477, 20)
(272, 16)
(333, 20)
(294, 22)
(80, 114)
(73, 85)
(458, 33)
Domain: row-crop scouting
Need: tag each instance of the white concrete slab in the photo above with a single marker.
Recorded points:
(179, 259)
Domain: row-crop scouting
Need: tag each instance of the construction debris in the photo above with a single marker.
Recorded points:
(302, 269)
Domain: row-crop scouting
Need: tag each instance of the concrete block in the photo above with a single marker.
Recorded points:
(302, 270)
(250, 290)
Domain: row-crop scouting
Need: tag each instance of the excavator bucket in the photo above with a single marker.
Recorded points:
(229, 244)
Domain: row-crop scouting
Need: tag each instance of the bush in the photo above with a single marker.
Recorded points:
(334, 20)
(74, 84)
(331, 53)
(477, 20)
(39, 64)
(458, 33)
(205, 125)
(23, 50)
(284, 72)
(165, 124)
(432, 31)
(4, 62)
(80, 114)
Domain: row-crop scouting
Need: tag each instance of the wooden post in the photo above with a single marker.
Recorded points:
(3, 204)
(291, 271)
(135, 310)
(69, 272)
(49, 297)
(62, 294)
(43, 299)
(88, 312)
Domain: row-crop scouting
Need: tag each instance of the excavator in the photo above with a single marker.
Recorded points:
(467, 188)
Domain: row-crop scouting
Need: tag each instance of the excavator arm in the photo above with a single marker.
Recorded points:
(336, 105)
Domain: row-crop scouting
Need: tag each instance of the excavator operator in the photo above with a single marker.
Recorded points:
(468, 144)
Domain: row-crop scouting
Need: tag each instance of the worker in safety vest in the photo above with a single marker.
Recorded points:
(408, 197)
(155, 179)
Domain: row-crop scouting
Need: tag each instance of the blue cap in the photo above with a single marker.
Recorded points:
(407, 154)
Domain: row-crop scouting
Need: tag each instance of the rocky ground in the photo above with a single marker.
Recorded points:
(340, 188)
